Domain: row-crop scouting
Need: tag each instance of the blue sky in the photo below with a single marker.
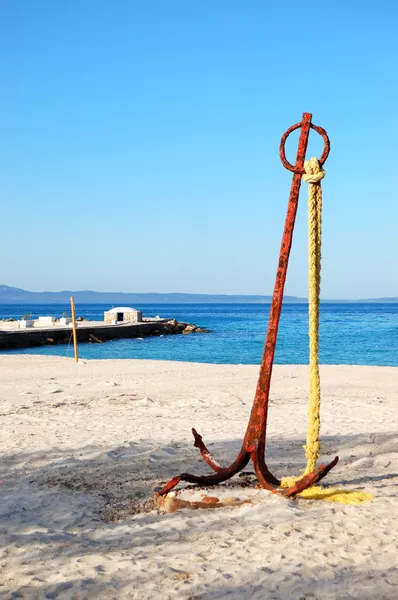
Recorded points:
(139, 143)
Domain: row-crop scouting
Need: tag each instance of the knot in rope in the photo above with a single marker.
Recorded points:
(313, 171)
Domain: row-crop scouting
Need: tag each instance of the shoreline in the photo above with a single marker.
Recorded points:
(13, 353)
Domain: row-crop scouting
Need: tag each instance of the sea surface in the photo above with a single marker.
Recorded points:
(355, 334)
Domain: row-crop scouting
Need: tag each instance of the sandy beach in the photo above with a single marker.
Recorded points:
(82, 445)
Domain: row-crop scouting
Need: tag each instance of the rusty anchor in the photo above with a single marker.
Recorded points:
(254, 442)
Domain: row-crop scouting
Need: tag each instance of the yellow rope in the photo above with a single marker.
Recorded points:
(313, 176)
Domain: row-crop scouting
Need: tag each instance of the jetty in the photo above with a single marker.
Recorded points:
(14, 337)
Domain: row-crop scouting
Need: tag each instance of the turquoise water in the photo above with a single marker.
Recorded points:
(362, 334)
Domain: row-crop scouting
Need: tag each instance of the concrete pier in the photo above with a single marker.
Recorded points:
(88, 331)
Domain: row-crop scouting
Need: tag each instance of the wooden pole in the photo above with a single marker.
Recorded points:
(72, 303)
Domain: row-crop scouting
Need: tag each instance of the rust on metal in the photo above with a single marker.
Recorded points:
(254, 442)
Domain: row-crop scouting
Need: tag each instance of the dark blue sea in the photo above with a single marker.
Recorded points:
(360, 334)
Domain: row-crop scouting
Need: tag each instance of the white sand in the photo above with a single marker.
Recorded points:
(83, 444)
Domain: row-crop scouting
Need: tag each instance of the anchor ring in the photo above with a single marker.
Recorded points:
(325, 153)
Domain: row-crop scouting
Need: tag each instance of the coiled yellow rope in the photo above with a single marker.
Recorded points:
(313, 176)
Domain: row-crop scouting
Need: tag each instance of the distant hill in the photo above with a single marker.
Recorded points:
(12, 295)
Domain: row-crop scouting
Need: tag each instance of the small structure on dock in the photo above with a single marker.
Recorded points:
(123, 314)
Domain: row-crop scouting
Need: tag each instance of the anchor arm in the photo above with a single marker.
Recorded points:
(205, 453)
(309, 480)
(239, 464)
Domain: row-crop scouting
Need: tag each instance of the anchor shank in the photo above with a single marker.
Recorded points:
(256, 429)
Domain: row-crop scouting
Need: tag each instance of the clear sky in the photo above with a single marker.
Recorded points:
(139, 143)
